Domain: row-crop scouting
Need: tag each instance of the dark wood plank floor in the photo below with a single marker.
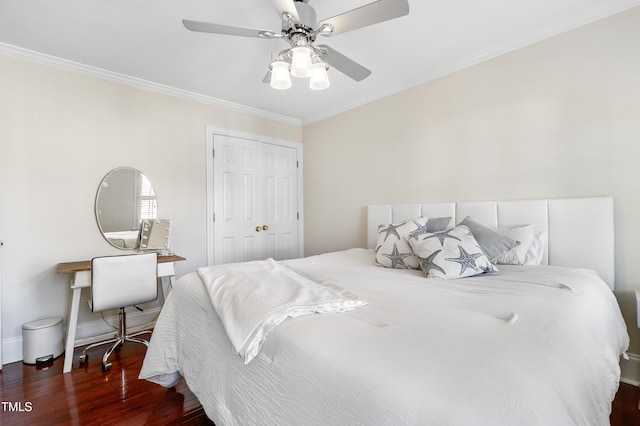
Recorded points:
(624, 410)
(87, 396)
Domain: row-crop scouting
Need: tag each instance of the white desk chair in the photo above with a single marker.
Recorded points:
(117, 282)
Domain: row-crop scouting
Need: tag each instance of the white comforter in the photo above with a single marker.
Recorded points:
(529, 346)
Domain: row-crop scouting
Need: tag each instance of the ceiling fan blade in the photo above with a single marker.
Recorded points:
(205, 27)
(287, 6)
(267, 77)
(347, 66)
(369, 14)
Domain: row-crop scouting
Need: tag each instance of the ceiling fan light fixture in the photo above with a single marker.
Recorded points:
(319, 77)
(280, 78)
(299, 27)
(301, 61)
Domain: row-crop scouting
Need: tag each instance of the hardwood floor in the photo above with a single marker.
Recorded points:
(87, 396)
(44, 396)
(624, 410)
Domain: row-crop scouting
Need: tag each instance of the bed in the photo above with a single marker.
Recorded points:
(124, 239)
(527, 345)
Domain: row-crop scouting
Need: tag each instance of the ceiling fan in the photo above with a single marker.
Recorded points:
(299, 28)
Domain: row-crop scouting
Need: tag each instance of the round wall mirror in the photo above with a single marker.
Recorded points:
(125, 197)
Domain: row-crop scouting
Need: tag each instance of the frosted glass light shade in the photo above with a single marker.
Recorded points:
(280, 78)
(301, 62)
(319, 77)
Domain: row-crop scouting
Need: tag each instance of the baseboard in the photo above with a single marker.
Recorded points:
(630, 370)
(11, 350)
(86, 332)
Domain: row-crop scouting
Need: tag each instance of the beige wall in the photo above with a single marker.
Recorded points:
(60, 133)
(560, 118)
(556, 119)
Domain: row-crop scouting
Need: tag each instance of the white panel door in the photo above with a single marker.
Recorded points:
(280, 206)
(255, 200)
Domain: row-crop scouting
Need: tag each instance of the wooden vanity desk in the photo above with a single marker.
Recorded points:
(80, 277)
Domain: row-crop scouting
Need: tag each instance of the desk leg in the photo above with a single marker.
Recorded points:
(71, 329)
(161, 288)
(171, 280)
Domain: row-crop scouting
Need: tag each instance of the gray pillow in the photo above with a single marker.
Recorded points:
(490, 240)
(438, 224)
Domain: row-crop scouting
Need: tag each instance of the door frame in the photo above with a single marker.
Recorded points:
(211, 131)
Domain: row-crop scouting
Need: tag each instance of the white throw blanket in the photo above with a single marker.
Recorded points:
(252, 298)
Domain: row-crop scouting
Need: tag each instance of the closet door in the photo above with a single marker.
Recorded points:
(279, 203)
(255, 200)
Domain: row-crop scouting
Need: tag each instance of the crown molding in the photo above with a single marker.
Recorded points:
(604, 10)
(138, 83)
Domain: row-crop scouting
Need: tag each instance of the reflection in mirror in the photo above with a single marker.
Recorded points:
(156, 235)
(125, 197)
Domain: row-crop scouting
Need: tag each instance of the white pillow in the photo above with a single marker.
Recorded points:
(392, 248)
(517, 255)
(536, 250)
(451, 254)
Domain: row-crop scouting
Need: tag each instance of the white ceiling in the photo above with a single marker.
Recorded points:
(143, 42)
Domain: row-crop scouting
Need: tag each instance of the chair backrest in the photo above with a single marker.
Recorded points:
(119, 281)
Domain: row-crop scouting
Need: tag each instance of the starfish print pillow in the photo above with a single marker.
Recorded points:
(451, 254)
(392, 248)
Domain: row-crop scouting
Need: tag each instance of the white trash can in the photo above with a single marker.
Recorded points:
(42, 340)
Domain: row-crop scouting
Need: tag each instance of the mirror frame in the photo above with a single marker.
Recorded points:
(97, 210)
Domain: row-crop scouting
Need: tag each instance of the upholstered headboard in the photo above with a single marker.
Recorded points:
(579, 230)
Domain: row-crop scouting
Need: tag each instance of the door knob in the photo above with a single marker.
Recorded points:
(258, 228)
(265, 227)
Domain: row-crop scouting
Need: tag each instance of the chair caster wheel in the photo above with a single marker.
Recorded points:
(106, 366)
(83, 358)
